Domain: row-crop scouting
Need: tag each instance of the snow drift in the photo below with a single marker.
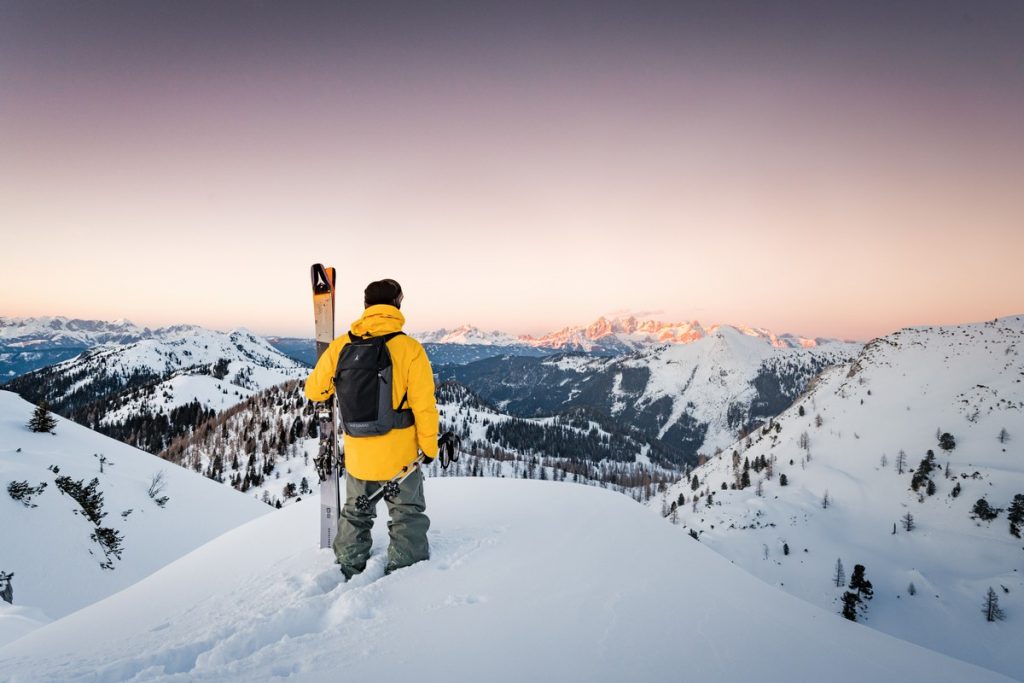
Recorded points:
(46, 540)
(528, 581)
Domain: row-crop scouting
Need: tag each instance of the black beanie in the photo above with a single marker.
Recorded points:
(383, 292)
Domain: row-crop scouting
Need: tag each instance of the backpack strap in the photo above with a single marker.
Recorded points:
(352, 336)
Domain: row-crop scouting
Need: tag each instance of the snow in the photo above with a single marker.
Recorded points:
(966, 380)
(48, 547)
(527, 581)
(184, 359)
(618, 335)
(705, 377)
(468, 334)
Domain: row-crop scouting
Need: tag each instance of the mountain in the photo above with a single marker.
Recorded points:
(466, 344)
(869, 435)
(526, 581)
(28, 344)
(149, 391)
(302, 349)
(613, 336)
(467, 334)
(265, 447)
(685, 400)
(57, 551)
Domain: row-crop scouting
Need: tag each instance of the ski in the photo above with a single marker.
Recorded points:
(328, 461)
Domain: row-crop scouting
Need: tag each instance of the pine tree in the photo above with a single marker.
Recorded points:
(861, 590)
(901, 461)
(6, 587)
(840, 574)
(783, 480)
(991, 608)
(826, 500)
(41, 420)
(850, 604)
(860, 584)
(1004, 435)
(908, 522)
(1016, 514)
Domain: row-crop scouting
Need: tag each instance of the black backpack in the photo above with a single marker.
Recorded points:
(363, 384)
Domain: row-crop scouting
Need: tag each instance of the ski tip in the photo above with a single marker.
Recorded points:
(322, 278)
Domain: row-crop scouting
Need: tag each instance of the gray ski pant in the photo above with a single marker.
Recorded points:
(407, 528)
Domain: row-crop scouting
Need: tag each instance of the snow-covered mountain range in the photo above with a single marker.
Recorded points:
(28, 344)
(46, 331)
(605, 337)
(618, 335)
(527, 581)
(55, 545)
(467, 334)
(147, 391)
(859, 471)
(609, 335)
(684, 399)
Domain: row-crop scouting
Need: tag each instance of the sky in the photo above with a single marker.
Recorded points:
(827, 169)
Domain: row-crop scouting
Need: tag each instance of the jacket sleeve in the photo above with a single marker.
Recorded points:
(423, 403)
(320, 383)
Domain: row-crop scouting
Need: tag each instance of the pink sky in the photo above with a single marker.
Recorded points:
(516, 181)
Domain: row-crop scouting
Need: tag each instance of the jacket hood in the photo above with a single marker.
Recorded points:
(378, 320)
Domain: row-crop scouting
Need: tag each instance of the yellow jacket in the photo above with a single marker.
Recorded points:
(378, 458)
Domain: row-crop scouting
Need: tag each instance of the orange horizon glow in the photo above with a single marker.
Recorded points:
(823, 171)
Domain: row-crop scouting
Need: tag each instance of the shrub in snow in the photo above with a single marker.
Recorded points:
(947, 441)
(156, 487)
(22, 492)
(110, 541)
(88, 497)
(982, 510)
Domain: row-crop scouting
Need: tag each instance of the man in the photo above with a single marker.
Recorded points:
(373, 460)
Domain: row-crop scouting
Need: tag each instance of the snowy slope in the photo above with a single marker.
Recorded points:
(685, 399)
(130, 391)
(263, 447)
(48, 547)
(528, 581)
(966, 380)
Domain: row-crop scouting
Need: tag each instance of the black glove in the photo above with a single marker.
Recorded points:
(448, 448)
(446, 439)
